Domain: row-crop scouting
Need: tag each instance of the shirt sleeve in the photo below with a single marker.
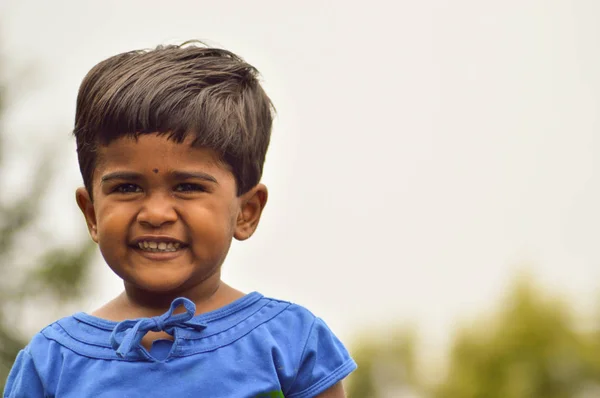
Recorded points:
(23, 380)
(324, 362)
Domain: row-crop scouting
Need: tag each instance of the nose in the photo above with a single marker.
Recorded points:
(157, 211)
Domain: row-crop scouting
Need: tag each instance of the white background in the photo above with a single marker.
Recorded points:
(424, 151)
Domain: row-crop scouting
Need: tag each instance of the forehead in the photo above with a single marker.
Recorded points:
(154, 151)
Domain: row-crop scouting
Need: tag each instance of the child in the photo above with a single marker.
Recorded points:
(171, 144)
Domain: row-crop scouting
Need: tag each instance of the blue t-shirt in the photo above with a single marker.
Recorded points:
(253, 347)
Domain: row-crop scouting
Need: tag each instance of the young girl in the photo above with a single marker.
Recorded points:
(171, 144)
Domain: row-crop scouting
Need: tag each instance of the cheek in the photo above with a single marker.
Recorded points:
(212, 225)
(113, 224)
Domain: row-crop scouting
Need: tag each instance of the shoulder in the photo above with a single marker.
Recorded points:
(310, 356)
(294, 320)
(291, 312)
(44, 343)
(37, 366)
(72, 335)
(290, 325)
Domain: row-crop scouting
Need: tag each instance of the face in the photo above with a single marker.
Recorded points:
(164, 214)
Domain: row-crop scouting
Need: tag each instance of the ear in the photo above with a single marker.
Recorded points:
(253, 202)
(87, 208)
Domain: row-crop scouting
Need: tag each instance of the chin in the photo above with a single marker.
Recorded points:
(160, 285)
(158, 282)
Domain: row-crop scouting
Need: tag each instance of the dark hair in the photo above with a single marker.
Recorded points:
(210, 93)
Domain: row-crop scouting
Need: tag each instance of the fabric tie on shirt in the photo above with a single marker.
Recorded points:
(129, 333)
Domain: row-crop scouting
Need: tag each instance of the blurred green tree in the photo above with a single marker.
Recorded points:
(530, 347)
(52, 273)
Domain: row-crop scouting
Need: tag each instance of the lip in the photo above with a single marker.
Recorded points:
(159, 256)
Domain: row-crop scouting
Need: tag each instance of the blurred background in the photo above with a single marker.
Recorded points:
(434, 179)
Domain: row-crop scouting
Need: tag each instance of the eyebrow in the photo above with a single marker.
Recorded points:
(177, 175)
(122, 175)
(187, 175)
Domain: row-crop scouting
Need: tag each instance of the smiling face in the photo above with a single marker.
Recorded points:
(164, 213)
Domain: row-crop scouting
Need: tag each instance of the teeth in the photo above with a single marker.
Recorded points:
(159, 246)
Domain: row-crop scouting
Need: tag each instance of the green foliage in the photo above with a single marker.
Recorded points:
(57, 275)
(62, 273)
(529, 348)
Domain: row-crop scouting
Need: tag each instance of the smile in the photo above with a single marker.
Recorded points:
(152, 246)
(157, 245)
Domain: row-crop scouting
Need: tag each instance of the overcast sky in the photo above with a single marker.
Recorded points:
(423, 152)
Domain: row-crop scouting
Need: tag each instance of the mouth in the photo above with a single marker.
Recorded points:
(158, 244)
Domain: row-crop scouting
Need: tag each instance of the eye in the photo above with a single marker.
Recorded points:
(189, 187)
(127, 188)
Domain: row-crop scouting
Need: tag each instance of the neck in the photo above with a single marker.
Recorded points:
(209, 295)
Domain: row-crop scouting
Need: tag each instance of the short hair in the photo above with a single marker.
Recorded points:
(188, 89)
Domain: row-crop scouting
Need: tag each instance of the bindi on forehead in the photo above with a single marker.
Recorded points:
(155, 171)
